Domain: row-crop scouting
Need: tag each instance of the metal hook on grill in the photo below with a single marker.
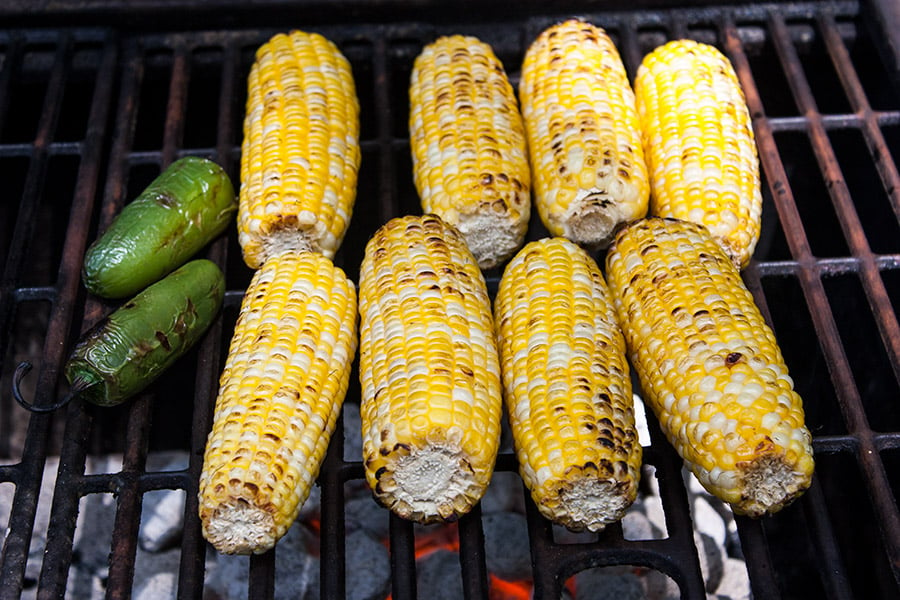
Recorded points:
(77, 388)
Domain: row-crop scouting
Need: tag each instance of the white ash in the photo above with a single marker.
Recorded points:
(296, 570)
(506, 547)
(364, 514)
(368, 568)
(162, 519)
(621, 583)
(505, 493)
(439, 576)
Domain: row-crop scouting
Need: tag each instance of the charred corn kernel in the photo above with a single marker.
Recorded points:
(698, 138)
(587, 162)
(709, 365)
(300, 154)
(429, 372)
(468, 146)
(280, 393)
(568, 392)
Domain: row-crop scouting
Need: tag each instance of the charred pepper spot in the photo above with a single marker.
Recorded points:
(163, 340)
(165, 200)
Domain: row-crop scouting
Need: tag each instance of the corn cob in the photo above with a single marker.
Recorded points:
(709, 365)
(587, 162)
(429, 372)
(280, 393)
(698, 139)
(300, 154)
(568, 392)
(470, 164)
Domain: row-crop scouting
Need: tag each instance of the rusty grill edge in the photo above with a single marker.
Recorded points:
(120, 61)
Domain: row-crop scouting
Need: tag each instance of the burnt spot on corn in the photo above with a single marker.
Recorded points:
(733, 358)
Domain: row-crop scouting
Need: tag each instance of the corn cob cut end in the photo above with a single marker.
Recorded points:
(770, 482)
(589, 500)
(238, 525)
(257, 251)
(593, 219)
(431, 483)
(492, 238)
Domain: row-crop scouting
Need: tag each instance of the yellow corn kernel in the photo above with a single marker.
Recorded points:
(587, 162)
(300, 154)
(568, 391)
(709, 365)
(467, 139)
(280, 394)
(429, 372)
(698, 139)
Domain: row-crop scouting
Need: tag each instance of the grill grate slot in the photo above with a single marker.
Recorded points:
(89, 116)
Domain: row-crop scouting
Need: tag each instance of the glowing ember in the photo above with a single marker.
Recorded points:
(509, 590)
(446, 537)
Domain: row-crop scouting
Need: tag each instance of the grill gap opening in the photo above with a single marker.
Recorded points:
(772, 244)
(153, 99)
(88, 574)
(28, 86)
(793, 553)
(820, 74)
(204, 87)
(649, 38)
(173, 404)
(405, 196)
(871, 70)
(620, 581)
(822, 227)
(770, 80)
(891, 460)
(891, 135)
(646, 519)
(368, 213)
(78, 93)
(891, 279)
(402, 54)
(360, 53)
(870, 199)
(800, 346)
(706, 34)
(856, 528)
(52, 219)
(13, 170)
(865, 351)
(26, 343)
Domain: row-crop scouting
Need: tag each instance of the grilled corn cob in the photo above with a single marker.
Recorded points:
(587, 162)
(568, 392)
(470, 164)
(280, 393)
(709, 365)
(698, 139)
(300, 154)
(429, 372)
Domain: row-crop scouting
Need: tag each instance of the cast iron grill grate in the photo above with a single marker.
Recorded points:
(88, 116)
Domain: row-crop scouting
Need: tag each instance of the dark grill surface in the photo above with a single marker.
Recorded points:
(90, 114)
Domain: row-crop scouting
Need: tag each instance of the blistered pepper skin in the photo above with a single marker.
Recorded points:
(182, 210)
(131, 347)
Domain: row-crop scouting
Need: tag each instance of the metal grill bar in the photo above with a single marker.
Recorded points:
(876, 479)
(30, 470)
